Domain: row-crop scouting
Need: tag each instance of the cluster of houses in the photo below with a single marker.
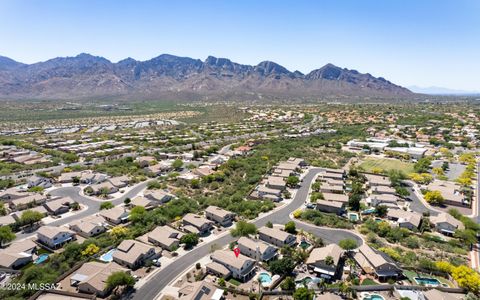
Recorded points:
(413, 150)
(22, 156)
(332, 187)
(452, 192)
(274, 184)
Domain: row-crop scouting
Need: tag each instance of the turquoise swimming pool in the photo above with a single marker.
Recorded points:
(427, 281)
(108, 256)
(353, 217)
(304, 244)
(40, 259)
(374, 297)
(265, 278)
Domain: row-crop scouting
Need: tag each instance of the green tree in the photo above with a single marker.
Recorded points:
(292, 181)
(30, 217)
(283, 266)
(290, 227)
(243, 228)
(190, 240)
(137, 214)
(303, 294)
(381, 210)
(329, 260)
(348, 244)
(269, 224)
(288, 284)
(106, 205)
(354, 202)
(177, 164)
(422, 165)
(118, 279)
(434, 197)
(6, 235)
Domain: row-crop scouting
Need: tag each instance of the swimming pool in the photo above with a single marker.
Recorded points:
(40, 259)
(304, 244)
(427, 281)
(373, 297)
(265, 278)
(368, 211)
(107, 257)
(353, 217)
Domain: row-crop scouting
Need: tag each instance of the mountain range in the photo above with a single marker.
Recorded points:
(182, 78)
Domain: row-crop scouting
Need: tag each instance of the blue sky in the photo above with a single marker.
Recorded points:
(410, 42)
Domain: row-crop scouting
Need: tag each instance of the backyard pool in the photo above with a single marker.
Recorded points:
(427, 281)
(265, 278)
(373, 297)
(40, 259)
(368, 211)
(353, 217)
(304, 244)
(107, 257)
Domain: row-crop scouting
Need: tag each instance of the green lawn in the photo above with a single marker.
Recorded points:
(234, 282)
(368, 281)
(386, 164)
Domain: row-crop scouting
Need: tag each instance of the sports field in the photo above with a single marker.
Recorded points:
(385, 165)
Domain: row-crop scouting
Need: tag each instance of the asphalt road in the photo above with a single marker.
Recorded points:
(417, 205)
(161, 279)
(93, 206)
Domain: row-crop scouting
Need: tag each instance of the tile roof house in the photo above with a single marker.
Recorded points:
(241, 267)
(160, 196)
(40, 181)
(200, 290)
(200, 224)
(165, 237)
(17, 254)
(7, 220)
(115, 215)
(28, 201)
(446, 223)
(318, 262)
(54, 237)
(133, 254)
(435, 294)
(450, 191)
(256, 249)
(107, 186)
(58, 206)
(335, 197)
(405, 219)
(377, 180)
(276, 236)
(91, 277)
(120, 181)
(69, 177)
(376, 263)
(219, 215)
(89, 226)
(277, 183)
(144, 202)
(331, 206)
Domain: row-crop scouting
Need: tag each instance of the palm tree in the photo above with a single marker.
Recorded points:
(322, 285)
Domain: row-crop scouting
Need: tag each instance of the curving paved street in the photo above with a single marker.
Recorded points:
(93, 206)
(161, 279)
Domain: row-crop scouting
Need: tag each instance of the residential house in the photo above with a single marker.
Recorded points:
(120, 181)
(103, 187)
(326, 187)
(446, 223)
(282, 173)
(331, 206)
(376, 263)
(58, 206)
(450, 191)
(145, 161)
(200, 290)
(160, 196)
(144, 202)
(435, 294)
(39, 181)
(276, 236)
(377, 180)
(54, 237)
(382, 189)
(17, 254)
(382, 199)
(13, 193)
(326, 261)
(405, 219)
(277, 183)
(165, 237)
(241, 266)
(300, 162)
(335, 197)
(115, 215)
(69, 177)
(203, 171)
(92, 178)
(285, 166)
(256, 249)
(91, 277)
(89, 226)
(29, 201)
(7, 220)
(219, 215)
(133, 254)
(196, 224)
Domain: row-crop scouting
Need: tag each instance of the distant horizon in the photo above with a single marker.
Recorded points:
(424, 43)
